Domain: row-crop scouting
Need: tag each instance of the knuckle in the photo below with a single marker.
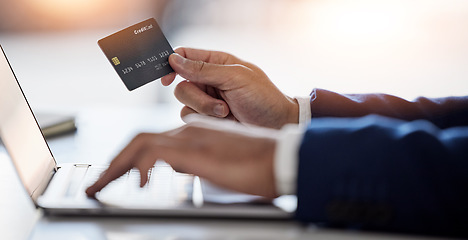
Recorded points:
(241, 73)
(197, 67)
(239, 68)
(223, 57)
(142, 140)
(139, 137)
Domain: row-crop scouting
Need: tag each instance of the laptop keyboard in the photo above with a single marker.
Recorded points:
(164, 188)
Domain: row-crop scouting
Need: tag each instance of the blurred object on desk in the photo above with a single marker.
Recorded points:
(55, 124)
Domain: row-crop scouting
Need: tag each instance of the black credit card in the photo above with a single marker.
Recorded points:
(139, 53)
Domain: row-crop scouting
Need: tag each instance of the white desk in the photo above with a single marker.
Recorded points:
(101, 133)
(188, 229)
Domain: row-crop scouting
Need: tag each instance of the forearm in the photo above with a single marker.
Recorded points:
(444, 112)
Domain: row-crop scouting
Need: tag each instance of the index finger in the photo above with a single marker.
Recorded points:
(119, 166)
(208, 56)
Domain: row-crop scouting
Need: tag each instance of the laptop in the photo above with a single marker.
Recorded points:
(59, 189)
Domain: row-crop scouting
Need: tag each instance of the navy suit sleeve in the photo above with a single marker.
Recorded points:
(381, 173)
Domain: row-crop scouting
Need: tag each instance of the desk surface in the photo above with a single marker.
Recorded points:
(101, 133)
(187, 229)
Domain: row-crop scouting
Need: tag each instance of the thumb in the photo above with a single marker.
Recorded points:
(211, 74)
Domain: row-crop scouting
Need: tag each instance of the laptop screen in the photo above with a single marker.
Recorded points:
(20, 133)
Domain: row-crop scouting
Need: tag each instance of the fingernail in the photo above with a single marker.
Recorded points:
(219, 110)
(178, 59)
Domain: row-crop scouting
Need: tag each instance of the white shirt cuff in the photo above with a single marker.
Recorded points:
(304, 110)
(287, 158)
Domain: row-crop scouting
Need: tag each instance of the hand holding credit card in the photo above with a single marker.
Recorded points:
(139, 53)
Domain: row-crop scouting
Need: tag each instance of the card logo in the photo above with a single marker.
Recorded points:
(116, 61)
(145, 28)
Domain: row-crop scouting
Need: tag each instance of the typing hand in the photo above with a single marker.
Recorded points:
(224, 152)
(221, 85)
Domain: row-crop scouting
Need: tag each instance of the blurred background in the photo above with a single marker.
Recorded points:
(402, 47)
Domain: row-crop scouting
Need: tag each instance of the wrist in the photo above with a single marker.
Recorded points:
(293, 111)
(305, 113)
